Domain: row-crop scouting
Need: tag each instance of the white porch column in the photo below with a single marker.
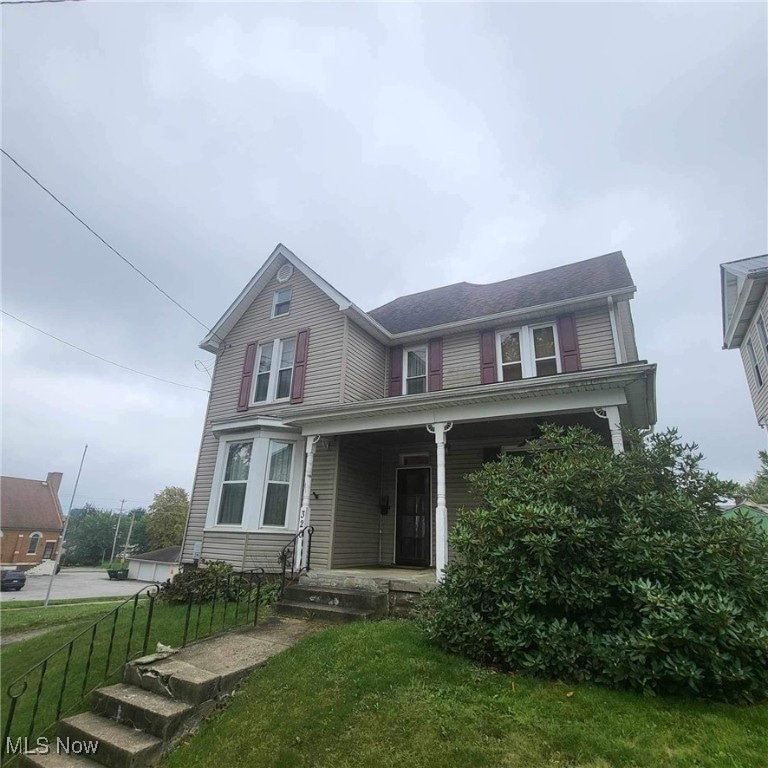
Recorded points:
(441, 512)
(304, 515)
(611, 413)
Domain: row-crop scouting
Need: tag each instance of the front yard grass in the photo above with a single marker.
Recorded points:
(380, 695)
(15, 618)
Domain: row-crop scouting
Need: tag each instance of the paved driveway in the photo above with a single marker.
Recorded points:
(74, 583)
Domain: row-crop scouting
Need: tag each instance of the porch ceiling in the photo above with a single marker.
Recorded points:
(631, 386)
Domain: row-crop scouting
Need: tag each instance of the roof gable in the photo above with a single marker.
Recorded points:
(29, 504)
(256, 285)
(468, 301)
(742, 283)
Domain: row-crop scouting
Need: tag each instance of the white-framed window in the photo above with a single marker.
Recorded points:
(415, 369)
(526, 352)
(234, 484)
(278, 483)
(281, 302)
(753, 360)
(34, 540)
(274, 371)
(762, 333)
(257, 483)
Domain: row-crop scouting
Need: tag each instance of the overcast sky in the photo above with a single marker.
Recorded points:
(394, 148)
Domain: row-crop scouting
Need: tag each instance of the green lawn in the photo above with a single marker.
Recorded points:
(14, 618)
(380, 695)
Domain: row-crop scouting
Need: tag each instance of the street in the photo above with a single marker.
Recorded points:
(70, 584)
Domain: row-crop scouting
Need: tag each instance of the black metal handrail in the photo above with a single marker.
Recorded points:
(228, 589)
(21, 685)
(287, 556)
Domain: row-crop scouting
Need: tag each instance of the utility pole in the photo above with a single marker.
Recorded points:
(117, 530)
(128, 540)
(64, 532)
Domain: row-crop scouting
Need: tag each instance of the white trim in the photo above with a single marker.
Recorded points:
(527, 349)
(405, 377)
(257, 284)
(477, 411)
(615, 331)
(255, 494)
(259, 422)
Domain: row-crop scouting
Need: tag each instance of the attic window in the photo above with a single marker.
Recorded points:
(281, 305)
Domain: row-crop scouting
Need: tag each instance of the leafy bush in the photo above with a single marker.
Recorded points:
(214, 578)
(614, 569)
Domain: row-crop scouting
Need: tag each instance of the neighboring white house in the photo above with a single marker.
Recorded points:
(160, 565)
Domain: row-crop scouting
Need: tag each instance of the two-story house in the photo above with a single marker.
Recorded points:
(365, 424)
(745, 314)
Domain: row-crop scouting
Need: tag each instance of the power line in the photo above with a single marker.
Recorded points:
(99, 237)
(36, 2)
(99, 357)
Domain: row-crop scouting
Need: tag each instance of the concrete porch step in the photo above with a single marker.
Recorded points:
(345, 597)
(55, 759)
(332, 613)
(174, 679)
(138, 708)
(118, 745)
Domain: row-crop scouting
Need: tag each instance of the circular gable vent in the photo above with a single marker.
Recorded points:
(284, 273)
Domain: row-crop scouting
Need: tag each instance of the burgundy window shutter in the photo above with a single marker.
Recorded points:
(395, 371)
(569, 344)
(247, 379)
(435, 365)
(300, 366)
(488, 357)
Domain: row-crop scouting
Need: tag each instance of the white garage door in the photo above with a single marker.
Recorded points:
(146, 572)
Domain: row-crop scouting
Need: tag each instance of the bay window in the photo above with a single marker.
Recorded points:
(278, 482)
(527, 352)
(235, 483)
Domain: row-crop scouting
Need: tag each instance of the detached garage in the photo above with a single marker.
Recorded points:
(160, 565)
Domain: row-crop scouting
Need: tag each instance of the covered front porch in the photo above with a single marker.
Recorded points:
(400, 477)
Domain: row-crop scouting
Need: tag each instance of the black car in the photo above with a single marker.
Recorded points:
(12, 580)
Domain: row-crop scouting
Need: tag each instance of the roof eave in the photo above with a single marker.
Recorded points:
(735, 331)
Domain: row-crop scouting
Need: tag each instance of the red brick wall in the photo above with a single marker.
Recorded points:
(14, 546)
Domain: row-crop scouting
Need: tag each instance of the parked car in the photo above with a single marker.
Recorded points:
(12, 580)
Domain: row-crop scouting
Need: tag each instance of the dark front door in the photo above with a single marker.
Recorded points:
(414, 516)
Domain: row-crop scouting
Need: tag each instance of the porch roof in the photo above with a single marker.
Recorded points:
(631, 385)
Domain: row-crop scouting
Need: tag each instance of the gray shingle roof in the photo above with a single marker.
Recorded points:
(165, 555)
(466, 301)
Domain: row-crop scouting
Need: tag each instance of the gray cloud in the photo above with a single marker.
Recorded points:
(394, 148)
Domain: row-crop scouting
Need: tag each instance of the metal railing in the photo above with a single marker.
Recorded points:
(86, 666)
(287, 556)
(235, 594)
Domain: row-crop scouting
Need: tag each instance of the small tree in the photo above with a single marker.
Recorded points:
(167, 517)
(616, 569)
(757, 488)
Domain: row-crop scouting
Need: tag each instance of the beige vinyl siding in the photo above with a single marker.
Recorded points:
(759, 394)
(357, 517)
(461, 360)
(310, 308)
(626, 331)
(364, 366)
(596, 348)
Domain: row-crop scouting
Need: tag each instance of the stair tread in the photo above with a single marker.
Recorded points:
(140, 697)
(103, 729)
(351, 591)
(324, 607)
(56, 759)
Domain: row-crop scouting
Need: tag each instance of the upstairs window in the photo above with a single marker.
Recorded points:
(753, 360)
(281, 303)
(527, 352)
(415, 370)
(274, 370)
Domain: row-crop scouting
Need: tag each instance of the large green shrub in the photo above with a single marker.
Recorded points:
(213, 579)
(616, 569)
